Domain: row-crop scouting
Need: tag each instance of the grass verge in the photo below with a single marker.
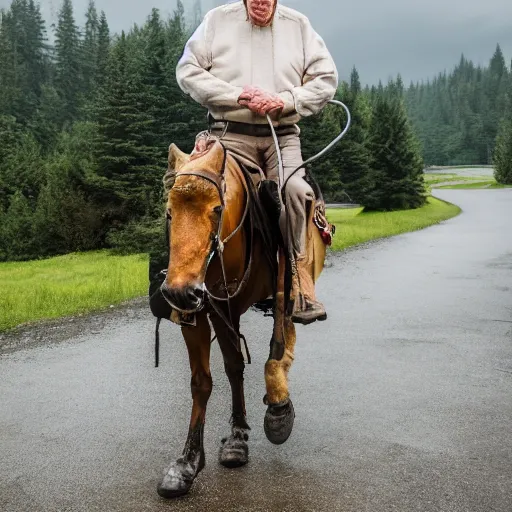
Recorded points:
(455, 181)
(363, 227)
(476, 185)
(85, 282)
(442, 180)
(67, 285)
(448, 167)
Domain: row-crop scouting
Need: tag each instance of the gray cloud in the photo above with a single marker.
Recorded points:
(380, 38)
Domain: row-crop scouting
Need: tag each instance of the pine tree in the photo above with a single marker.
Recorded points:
(156, 88)
(48, 216)
(355, 82)
(148, 126)
(67, 65)
(502, 157)
(59, 227)
(89, 51)
(503, 154)
(351, 157)
(457, 115)
(103, 49)
(187, 117)
(11, 137)
(37, 56)
(497, 66)
(178, 19)
(8, 66)
(23, 59)
(316, 132)
(22, 169)
(17, 230)
(122, 152)
(198, 13)
(396, 166)
(45, 124)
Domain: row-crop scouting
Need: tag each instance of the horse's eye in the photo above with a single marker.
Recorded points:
(217, 210)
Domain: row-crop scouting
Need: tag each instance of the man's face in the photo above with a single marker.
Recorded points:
(261, 12)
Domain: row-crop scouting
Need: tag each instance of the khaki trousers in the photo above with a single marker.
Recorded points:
(260, 153)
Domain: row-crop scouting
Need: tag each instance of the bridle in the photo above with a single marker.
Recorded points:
(217, 248)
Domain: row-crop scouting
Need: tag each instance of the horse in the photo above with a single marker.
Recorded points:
(219, 266)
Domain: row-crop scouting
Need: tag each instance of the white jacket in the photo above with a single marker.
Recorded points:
(227, 52)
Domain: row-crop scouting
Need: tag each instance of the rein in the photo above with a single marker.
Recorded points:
(217, 248)
(284, 181)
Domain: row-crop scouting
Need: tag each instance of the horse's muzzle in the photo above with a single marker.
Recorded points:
(187, 299)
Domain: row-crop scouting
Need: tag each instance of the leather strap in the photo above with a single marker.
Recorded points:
(210, 176)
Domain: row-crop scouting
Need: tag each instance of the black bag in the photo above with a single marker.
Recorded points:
(158, 263)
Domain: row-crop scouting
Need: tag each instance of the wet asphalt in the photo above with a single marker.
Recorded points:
(403, 398)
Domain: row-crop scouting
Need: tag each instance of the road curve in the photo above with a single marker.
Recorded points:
(402, 398)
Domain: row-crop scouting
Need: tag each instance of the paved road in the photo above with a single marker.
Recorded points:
(403, 397)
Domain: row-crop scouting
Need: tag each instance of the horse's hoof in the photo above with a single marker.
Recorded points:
(178, 480)
(278, 423)
(234, 451)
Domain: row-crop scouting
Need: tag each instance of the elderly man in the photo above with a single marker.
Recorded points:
(253, 58)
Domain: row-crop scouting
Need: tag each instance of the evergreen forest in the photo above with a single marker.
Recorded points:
(87, 116)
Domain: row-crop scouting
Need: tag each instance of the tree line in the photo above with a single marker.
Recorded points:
(85, 124)
(457, 115)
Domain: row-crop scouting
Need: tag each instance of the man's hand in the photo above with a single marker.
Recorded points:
(261, 102)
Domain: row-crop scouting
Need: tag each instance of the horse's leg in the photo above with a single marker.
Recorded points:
(234, 451)
(280, 415)
(181, 474)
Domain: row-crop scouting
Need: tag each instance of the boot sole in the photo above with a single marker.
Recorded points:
(307, 321)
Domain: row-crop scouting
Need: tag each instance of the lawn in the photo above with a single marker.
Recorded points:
(353, 229)
(79, 283)
(67, 285)
(433, 179)
(476, 185)
(454, 181)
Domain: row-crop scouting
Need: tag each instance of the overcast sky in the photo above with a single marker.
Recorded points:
(381, 38)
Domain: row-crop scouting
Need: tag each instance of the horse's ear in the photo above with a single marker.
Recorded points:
(213, 159)
(177, 159)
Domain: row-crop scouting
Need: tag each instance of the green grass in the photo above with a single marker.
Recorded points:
(453, 181)
(477, 185)
(356, 229)
(432, 179)
(435, 179)
(67, 285)
(448, 167)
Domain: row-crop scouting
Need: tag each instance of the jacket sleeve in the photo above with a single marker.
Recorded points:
(320, 79)
(194, 78)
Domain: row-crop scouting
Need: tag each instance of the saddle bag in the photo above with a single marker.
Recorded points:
(158, 263)
(326, 229)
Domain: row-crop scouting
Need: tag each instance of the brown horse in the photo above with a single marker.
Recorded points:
(213, 252)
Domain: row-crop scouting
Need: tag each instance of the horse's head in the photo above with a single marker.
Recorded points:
(194, 208)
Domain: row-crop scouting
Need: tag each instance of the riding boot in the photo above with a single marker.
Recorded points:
(306, 309)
